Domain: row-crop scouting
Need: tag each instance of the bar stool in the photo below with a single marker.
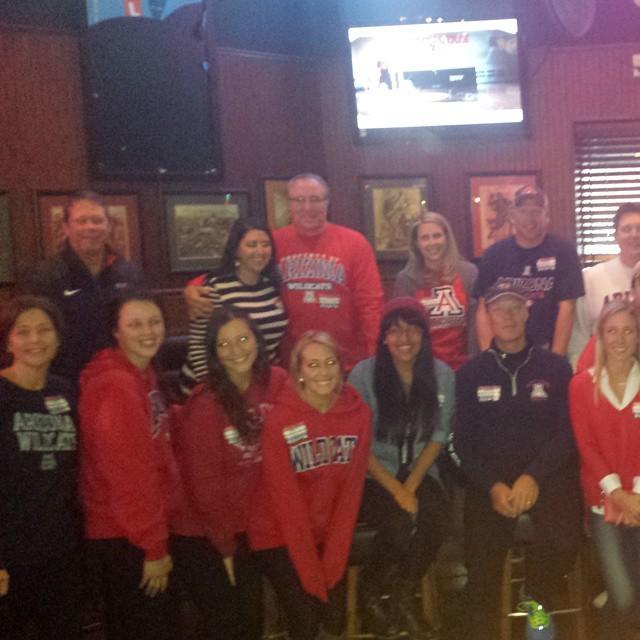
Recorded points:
(513, 575)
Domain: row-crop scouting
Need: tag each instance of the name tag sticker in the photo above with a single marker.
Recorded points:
(546, 264)
(57, 405)
(489, 393)
(295, 433)
(329, 302)
(232, 436)
(636, 409)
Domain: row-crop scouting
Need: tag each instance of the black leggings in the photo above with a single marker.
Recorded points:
(404, 546)
(46, 597)
(227, 612)
(305, 613)
(130, 613)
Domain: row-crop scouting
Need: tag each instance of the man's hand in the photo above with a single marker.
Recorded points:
(501, 500)
(524, 493)
(197, 302)
(4, 582)
(155, 575)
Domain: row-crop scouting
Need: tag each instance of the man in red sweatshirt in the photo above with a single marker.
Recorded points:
(330, 280)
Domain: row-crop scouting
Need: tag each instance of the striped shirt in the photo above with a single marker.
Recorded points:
(261, 302)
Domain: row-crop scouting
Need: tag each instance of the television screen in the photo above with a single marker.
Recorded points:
(436, 75)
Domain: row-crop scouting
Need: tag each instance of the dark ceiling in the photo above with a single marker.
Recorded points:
(286, 25)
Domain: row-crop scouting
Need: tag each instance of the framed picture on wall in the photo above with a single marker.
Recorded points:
(391, 206)
(7, 268)
(491, 196)
(276, 202)
(198, 226)
(121, 208)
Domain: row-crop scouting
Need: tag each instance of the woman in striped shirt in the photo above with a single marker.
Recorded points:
(248, 279)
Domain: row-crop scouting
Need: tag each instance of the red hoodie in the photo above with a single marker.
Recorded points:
(312, 477)
(220, 471)
(127, 471)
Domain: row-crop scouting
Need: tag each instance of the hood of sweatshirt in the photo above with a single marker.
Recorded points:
(348, 401)
(113, 361)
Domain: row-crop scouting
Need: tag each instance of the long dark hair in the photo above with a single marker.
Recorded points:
(12, 310)
(228, 394)
(395, 410)
(239, 230)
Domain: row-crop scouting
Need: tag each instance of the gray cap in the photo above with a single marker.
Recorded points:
(500, 289)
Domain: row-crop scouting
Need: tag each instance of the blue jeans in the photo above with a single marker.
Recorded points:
(618, 550)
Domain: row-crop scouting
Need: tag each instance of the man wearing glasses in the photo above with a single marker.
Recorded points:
(330, 280)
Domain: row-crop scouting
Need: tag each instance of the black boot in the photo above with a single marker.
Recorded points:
(378, 618)
(409, 615)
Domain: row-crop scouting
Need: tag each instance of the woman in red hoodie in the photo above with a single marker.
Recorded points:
(127, 472)
(217, 441)
(315, 448)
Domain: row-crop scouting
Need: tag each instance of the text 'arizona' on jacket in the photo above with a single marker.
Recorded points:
(511, 421)
(128, 479)
(312, 478)
(219, 469)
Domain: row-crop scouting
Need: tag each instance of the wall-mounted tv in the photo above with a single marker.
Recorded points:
(438, 75)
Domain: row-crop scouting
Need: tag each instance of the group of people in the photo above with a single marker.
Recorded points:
(310, 406)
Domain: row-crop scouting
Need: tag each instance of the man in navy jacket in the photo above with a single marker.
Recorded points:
(515, 443)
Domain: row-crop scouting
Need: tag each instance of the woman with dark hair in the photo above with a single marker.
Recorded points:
(437, 276)
(315, 447)
(127, 472)
(605, 406)
(217, 440)
(411, 395)
(248, 279)
(39, 528)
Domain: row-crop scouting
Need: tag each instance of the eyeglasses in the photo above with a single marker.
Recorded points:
(310, 199)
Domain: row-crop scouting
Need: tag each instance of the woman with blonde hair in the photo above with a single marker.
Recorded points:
(315, 447)
(442, 281)
(605, 412)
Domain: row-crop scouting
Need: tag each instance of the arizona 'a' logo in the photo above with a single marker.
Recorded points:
(444, 303)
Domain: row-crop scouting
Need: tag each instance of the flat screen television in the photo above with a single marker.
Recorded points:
(438, 75)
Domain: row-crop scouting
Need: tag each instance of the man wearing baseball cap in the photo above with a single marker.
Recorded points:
(514, 440)
(546, 268)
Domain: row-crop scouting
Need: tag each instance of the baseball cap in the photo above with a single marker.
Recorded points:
(530, 191)
(501, 289)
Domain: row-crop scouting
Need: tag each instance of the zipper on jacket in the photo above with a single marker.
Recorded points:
(512, 376)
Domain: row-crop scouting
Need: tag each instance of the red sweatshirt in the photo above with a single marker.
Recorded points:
(311, 486)
(330, 282)
(608, 438)
(128, 479)
(220, 472)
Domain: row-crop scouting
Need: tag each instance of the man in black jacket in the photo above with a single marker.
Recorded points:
(514, 439)
(82, 280)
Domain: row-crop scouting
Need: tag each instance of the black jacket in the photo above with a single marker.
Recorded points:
(512, 418)
(84, 301)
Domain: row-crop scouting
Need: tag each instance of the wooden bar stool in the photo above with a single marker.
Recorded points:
(513, 576)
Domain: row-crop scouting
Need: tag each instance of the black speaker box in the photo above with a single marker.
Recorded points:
(151, 98)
